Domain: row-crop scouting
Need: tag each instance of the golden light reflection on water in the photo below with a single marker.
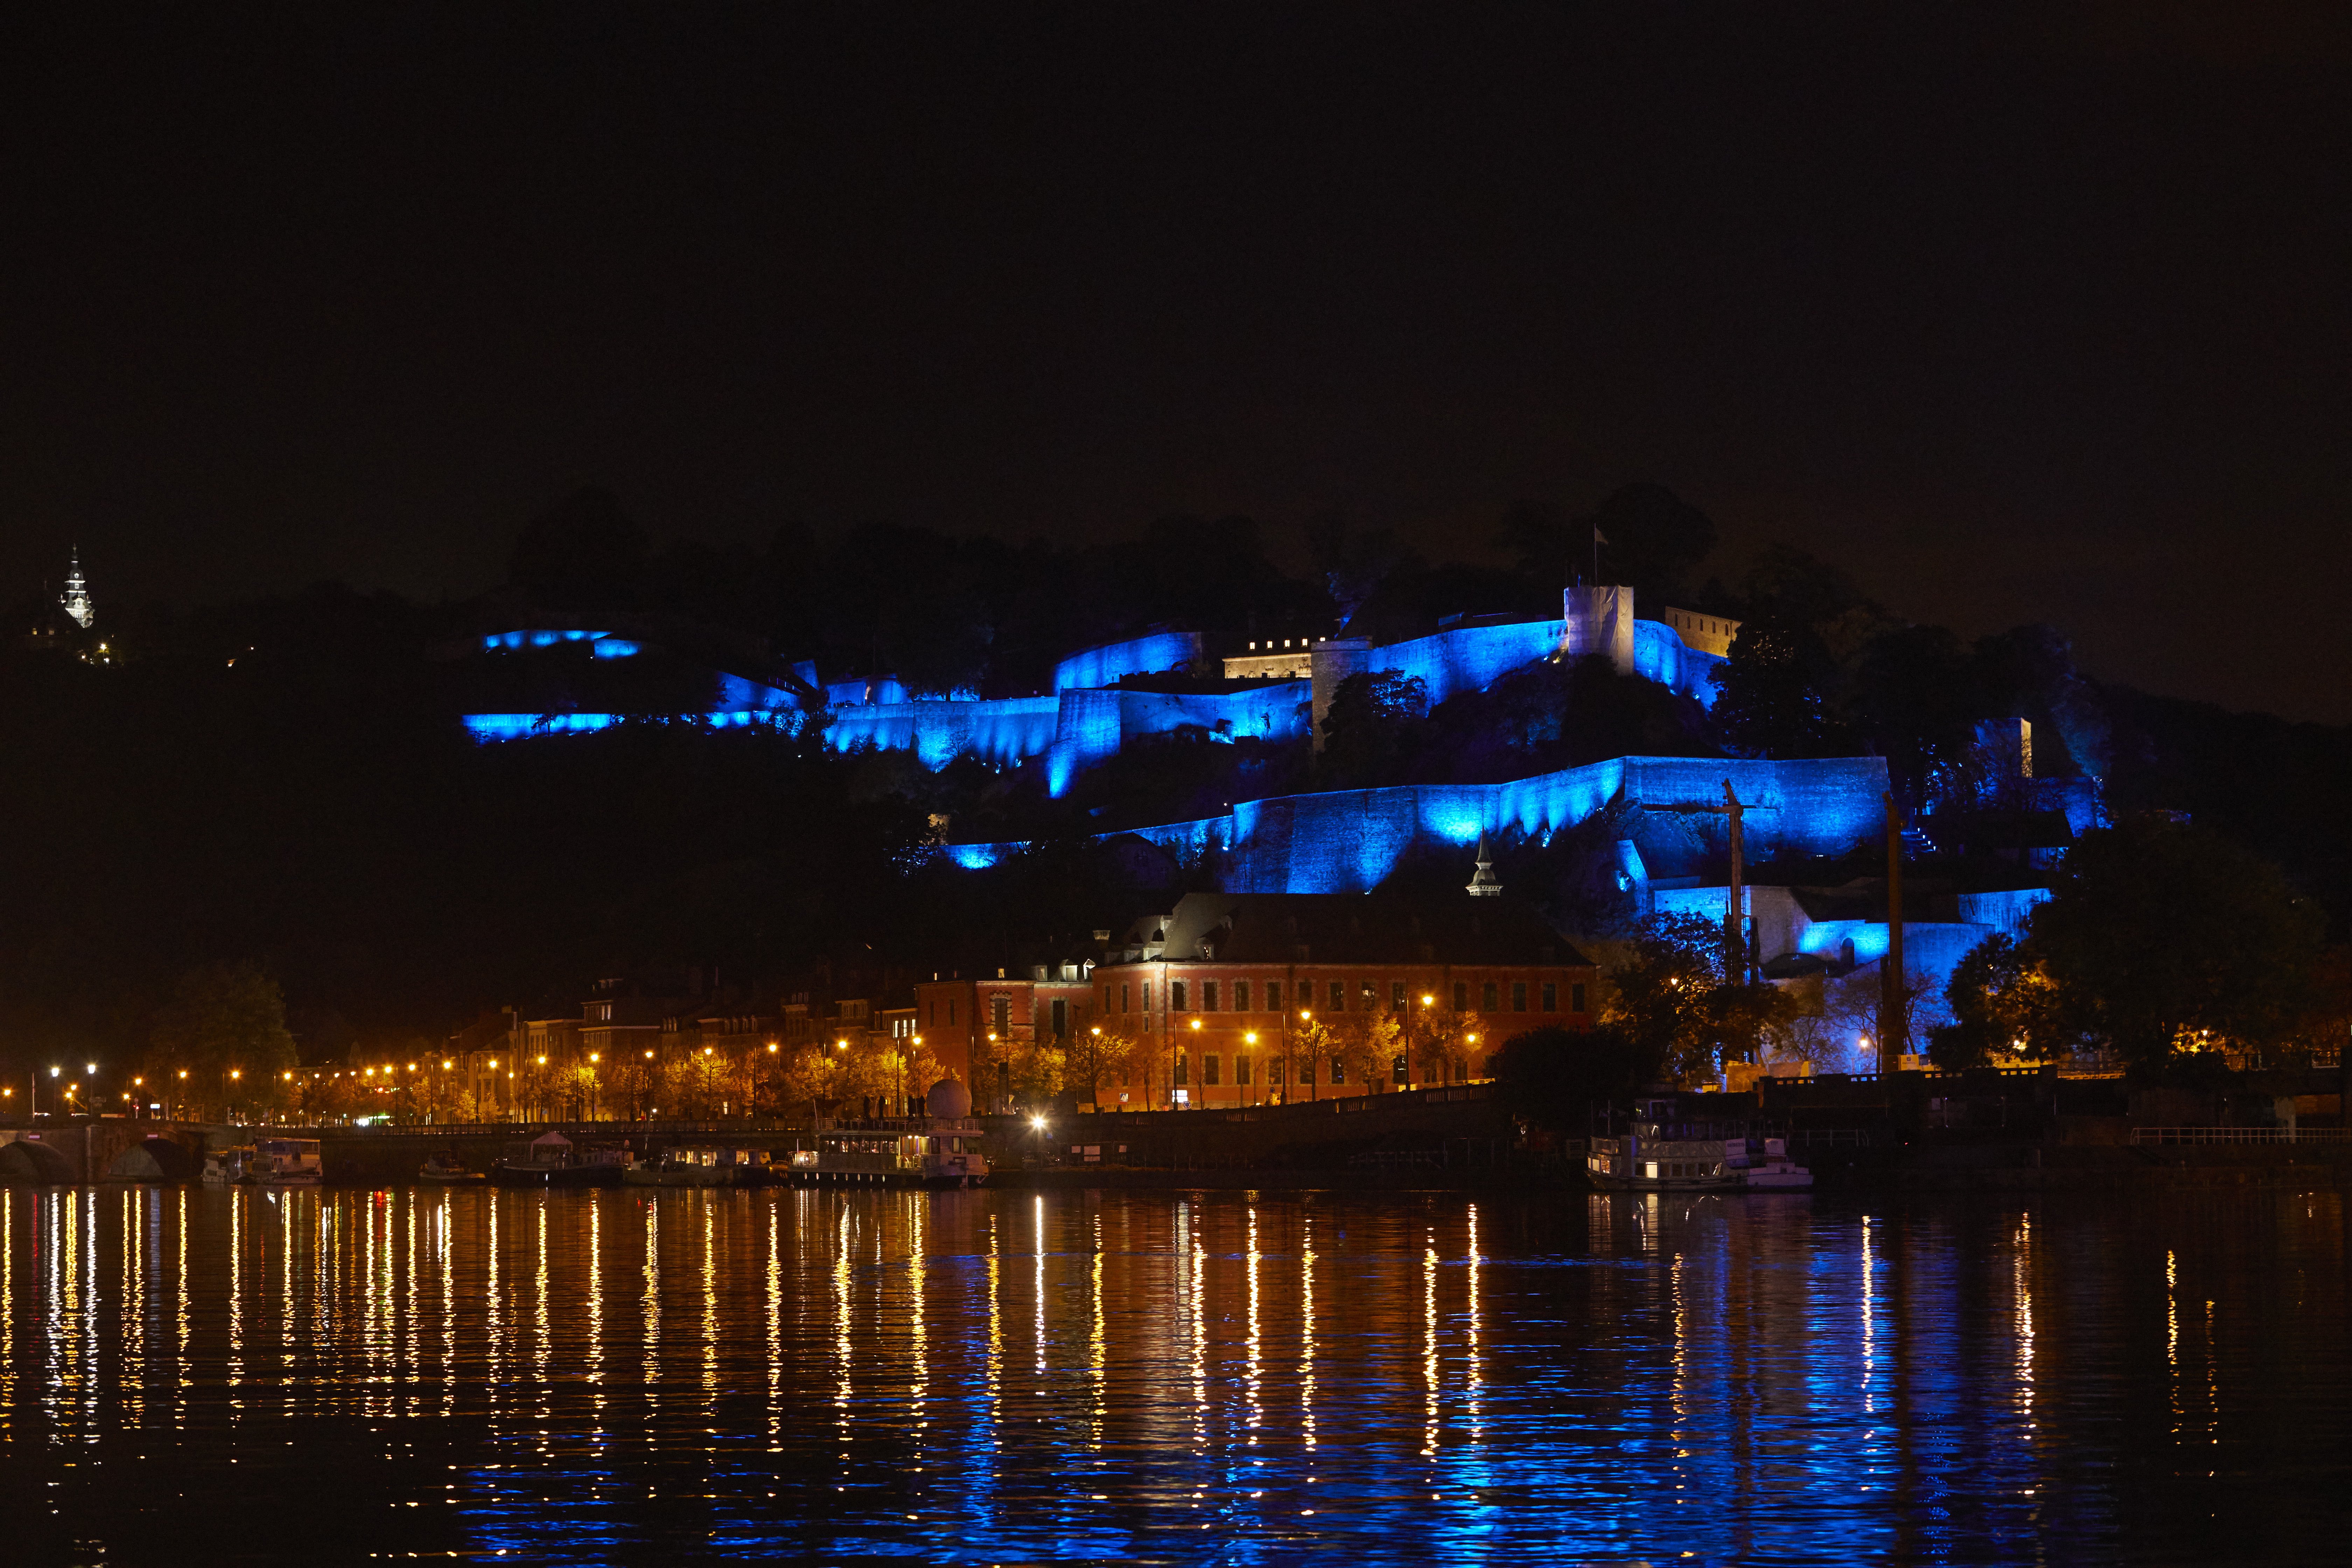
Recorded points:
(1614, 1377)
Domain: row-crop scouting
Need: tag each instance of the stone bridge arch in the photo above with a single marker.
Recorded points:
(155, 1158)
(28, 1162)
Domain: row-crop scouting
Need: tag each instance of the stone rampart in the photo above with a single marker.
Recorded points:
(1349, 840)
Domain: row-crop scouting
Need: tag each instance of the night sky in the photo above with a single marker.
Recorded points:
(2029, 313)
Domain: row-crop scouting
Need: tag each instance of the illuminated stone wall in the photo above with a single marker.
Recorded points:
(1093, 726)
(1349, 840)
(1105, 666)
(1468, 659)
(1002, 732)
(1661, 655)
(1084, 724)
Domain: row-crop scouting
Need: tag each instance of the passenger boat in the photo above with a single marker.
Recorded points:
(554, 1162)
(446, 1167)
(912, 1152)
(1644, 1160)
(286, 1163)
(701, 1166)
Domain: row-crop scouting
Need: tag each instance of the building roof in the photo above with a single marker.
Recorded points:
(1344, 928)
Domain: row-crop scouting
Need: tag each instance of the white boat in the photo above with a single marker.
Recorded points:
(225, 1167)
(286, 1163)
(1773, 1170)
(909, 1152)
(1644, 1160)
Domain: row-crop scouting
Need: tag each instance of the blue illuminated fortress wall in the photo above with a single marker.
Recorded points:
(1348, 841)
(1472, 658)
(1660, 653)
(1095, 667)
(1468, 659)
(1003, 732)
(1095, 725)
(1089, 719)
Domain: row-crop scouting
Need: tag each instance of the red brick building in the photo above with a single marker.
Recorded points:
(1253, 999)
(978, 1027)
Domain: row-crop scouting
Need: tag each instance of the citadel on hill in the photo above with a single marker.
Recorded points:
(1667, 856)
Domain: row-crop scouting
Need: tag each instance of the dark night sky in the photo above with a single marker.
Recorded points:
(2023, 315)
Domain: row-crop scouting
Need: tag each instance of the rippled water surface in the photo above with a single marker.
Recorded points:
(201, 1376)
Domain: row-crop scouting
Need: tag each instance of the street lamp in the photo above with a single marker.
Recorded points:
(1305, 1019)
(1196, 1045)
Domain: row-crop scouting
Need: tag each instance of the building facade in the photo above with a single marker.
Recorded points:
(1256, 999)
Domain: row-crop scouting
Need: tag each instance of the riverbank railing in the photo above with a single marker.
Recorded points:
(2193, 1135)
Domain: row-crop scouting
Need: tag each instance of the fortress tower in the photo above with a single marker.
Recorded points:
(1600, 621)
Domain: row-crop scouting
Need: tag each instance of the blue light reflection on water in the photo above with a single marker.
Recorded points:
(1194, 1376)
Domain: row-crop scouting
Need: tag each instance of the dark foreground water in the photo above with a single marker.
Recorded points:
(199, 1376)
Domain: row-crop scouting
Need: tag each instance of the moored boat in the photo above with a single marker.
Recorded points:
(701, 1166)
(286, 1163)
(224, 1167)
(1645, 1161)
(446, 1167)
(553, 1161)
(1773, 1170)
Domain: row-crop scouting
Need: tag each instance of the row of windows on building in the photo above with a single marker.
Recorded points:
(1235, 996)
(1273, 1071)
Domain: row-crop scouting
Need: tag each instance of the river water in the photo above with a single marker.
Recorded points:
(195, 1376)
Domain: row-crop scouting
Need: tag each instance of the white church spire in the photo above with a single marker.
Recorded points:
(76, 599)
(1483, 883)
